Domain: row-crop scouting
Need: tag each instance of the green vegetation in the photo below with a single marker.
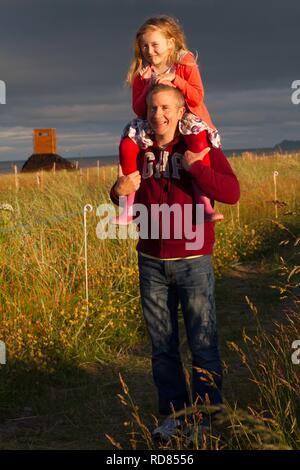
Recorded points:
(60, 384)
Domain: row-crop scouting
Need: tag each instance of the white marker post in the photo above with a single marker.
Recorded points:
(87, 208)
(275, 174)
(2, 353)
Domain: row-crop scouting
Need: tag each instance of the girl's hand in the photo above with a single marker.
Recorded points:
(165, 82)
(166, 77)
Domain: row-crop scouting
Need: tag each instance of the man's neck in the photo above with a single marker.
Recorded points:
(164, 141)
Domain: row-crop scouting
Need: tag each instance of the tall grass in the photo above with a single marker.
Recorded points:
(42, 308)
(44, 321)
(268, 356)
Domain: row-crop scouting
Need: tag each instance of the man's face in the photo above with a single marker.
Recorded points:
(164, 113)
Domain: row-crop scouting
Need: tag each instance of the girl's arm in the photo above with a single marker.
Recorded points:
(188, 81)
(140, 89)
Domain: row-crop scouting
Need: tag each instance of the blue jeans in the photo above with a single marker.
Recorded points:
(163, 284)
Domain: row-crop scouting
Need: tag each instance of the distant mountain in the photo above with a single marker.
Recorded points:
(287, 145)
(284, 146)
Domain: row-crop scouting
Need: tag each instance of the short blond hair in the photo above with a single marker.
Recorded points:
(162, 87)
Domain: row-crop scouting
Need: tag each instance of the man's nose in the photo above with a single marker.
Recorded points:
(157, 112)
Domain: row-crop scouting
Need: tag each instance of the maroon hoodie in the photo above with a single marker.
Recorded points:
(164, 181)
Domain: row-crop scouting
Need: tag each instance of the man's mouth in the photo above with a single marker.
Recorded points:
(159, 123)
(159, 126)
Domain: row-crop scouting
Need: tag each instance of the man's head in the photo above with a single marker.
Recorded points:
(165, 108)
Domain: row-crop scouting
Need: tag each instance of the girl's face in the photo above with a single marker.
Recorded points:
(156, 48)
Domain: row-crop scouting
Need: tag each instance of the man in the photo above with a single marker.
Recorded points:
(171, 269)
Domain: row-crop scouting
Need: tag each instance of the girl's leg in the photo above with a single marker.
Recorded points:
(128, 152)
(196, 143)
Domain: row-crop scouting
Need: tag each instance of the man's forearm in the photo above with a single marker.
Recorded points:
(125, 185)
(219, 181)
(113, 195)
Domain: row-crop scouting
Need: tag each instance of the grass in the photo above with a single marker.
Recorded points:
(59, 387)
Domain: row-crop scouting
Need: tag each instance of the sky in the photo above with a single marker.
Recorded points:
(64, 64)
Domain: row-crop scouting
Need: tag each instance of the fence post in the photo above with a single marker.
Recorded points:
(16, 177)
(275, 174)
(87, 208)
(42, 179)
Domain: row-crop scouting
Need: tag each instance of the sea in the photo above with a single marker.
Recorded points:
(83, 162)
(88, 162)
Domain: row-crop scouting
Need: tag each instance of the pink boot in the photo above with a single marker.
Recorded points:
(209, 214)
(127, 215)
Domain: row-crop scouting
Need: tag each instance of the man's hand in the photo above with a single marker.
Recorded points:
(127, 184)
(190, 157)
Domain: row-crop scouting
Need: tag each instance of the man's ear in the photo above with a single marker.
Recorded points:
(181, 111)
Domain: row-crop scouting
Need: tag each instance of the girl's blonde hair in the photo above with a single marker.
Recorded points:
(170, 28)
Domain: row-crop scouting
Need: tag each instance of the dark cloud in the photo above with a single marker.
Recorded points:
(64, 63)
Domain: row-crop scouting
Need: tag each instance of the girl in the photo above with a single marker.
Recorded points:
(161, 56)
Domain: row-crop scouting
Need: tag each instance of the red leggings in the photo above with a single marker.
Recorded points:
(129, 150)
